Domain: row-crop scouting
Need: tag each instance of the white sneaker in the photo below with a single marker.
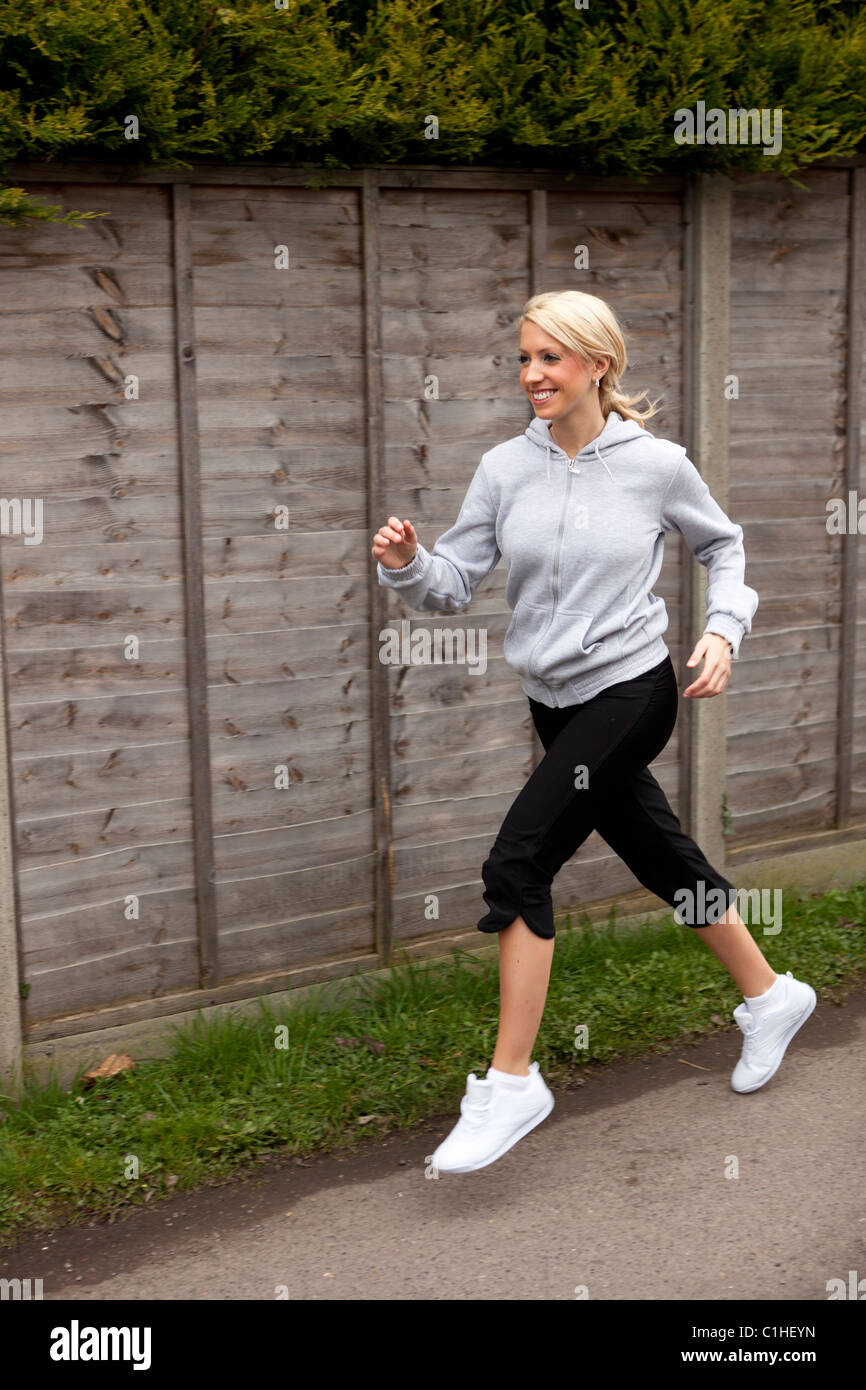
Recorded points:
(492, 1119)
(767, 1037)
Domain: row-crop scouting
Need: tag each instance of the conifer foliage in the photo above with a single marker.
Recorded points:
(577, 85)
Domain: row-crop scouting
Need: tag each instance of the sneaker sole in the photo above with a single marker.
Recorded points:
(509, 1143)
(786, 1038)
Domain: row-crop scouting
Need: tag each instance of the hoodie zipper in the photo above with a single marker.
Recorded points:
(571, 471)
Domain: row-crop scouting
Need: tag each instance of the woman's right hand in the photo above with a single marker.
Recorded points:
(395, 543)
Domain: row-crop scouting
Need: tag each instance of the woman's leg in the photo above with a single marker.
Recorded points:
(546, 825)
(524, 958)
(524, 974)
(732, 943)
(637, 821)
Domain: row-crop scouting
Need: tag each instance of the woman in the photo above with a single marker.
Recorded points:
(577, 505)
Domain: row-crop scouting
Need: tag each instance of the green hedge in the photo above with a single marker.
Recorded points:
(341, 82)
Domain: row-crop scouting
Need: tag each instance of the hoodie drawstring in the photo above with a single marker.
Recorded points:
(601, 460)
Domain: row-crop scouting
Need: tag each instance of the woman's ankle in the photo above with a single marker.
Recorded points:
(511, 1068)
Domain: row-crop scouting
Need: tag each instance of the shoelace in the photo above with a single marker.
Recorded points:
(475, 1112)
(749, 1039)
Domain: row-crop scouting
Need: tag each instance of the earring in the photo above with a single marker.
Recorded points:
(598, 382)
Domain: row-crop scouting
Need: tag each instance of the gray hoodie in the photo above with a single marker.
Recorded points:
(583, 542)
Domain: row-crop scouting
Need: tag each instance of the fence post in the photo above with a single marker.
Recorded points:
(11, 1021)
(709, 230)
(193, 573)
(850, 546)
(380, 690)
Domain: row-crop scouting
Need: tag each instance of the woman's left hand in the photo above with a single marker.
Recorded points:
(717, 667)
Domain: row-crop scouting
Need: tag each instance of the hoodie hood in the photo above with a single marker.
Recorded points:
(616, 431)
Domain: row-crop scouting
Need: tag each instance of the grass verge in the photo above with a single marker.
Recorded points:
(230, 1094)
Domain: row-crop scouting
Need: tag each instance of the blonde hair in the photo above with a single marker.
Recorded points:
(589, 326)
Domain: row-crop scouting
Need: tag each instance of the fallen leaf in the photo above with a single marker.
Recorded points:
(113, 1065)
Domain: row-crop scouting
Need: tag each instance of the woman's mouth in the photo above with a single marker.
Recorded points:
(539, 397)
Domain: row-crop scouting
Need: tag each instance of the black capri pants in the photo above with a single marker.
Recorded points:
(594, 776)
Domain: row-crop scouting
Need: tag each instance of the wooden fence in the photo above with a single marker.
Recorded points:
(218, 392)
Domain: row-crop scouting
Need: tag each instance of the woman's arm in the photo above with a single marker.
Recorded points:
(717, 542)
(444, 579)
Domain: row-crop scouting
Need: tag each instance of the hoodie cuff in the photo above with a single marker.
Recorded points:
(397, 579)
(725, 625)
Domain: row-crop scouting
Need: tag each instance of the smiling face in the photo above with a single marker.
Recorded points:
(555, 377)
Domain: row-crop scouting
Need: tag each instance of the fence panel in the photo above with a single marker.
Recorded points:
(95, 614)
(787, 441)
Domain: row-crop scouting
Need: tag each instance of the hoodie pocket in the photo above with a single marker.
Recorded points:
(551, 648)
